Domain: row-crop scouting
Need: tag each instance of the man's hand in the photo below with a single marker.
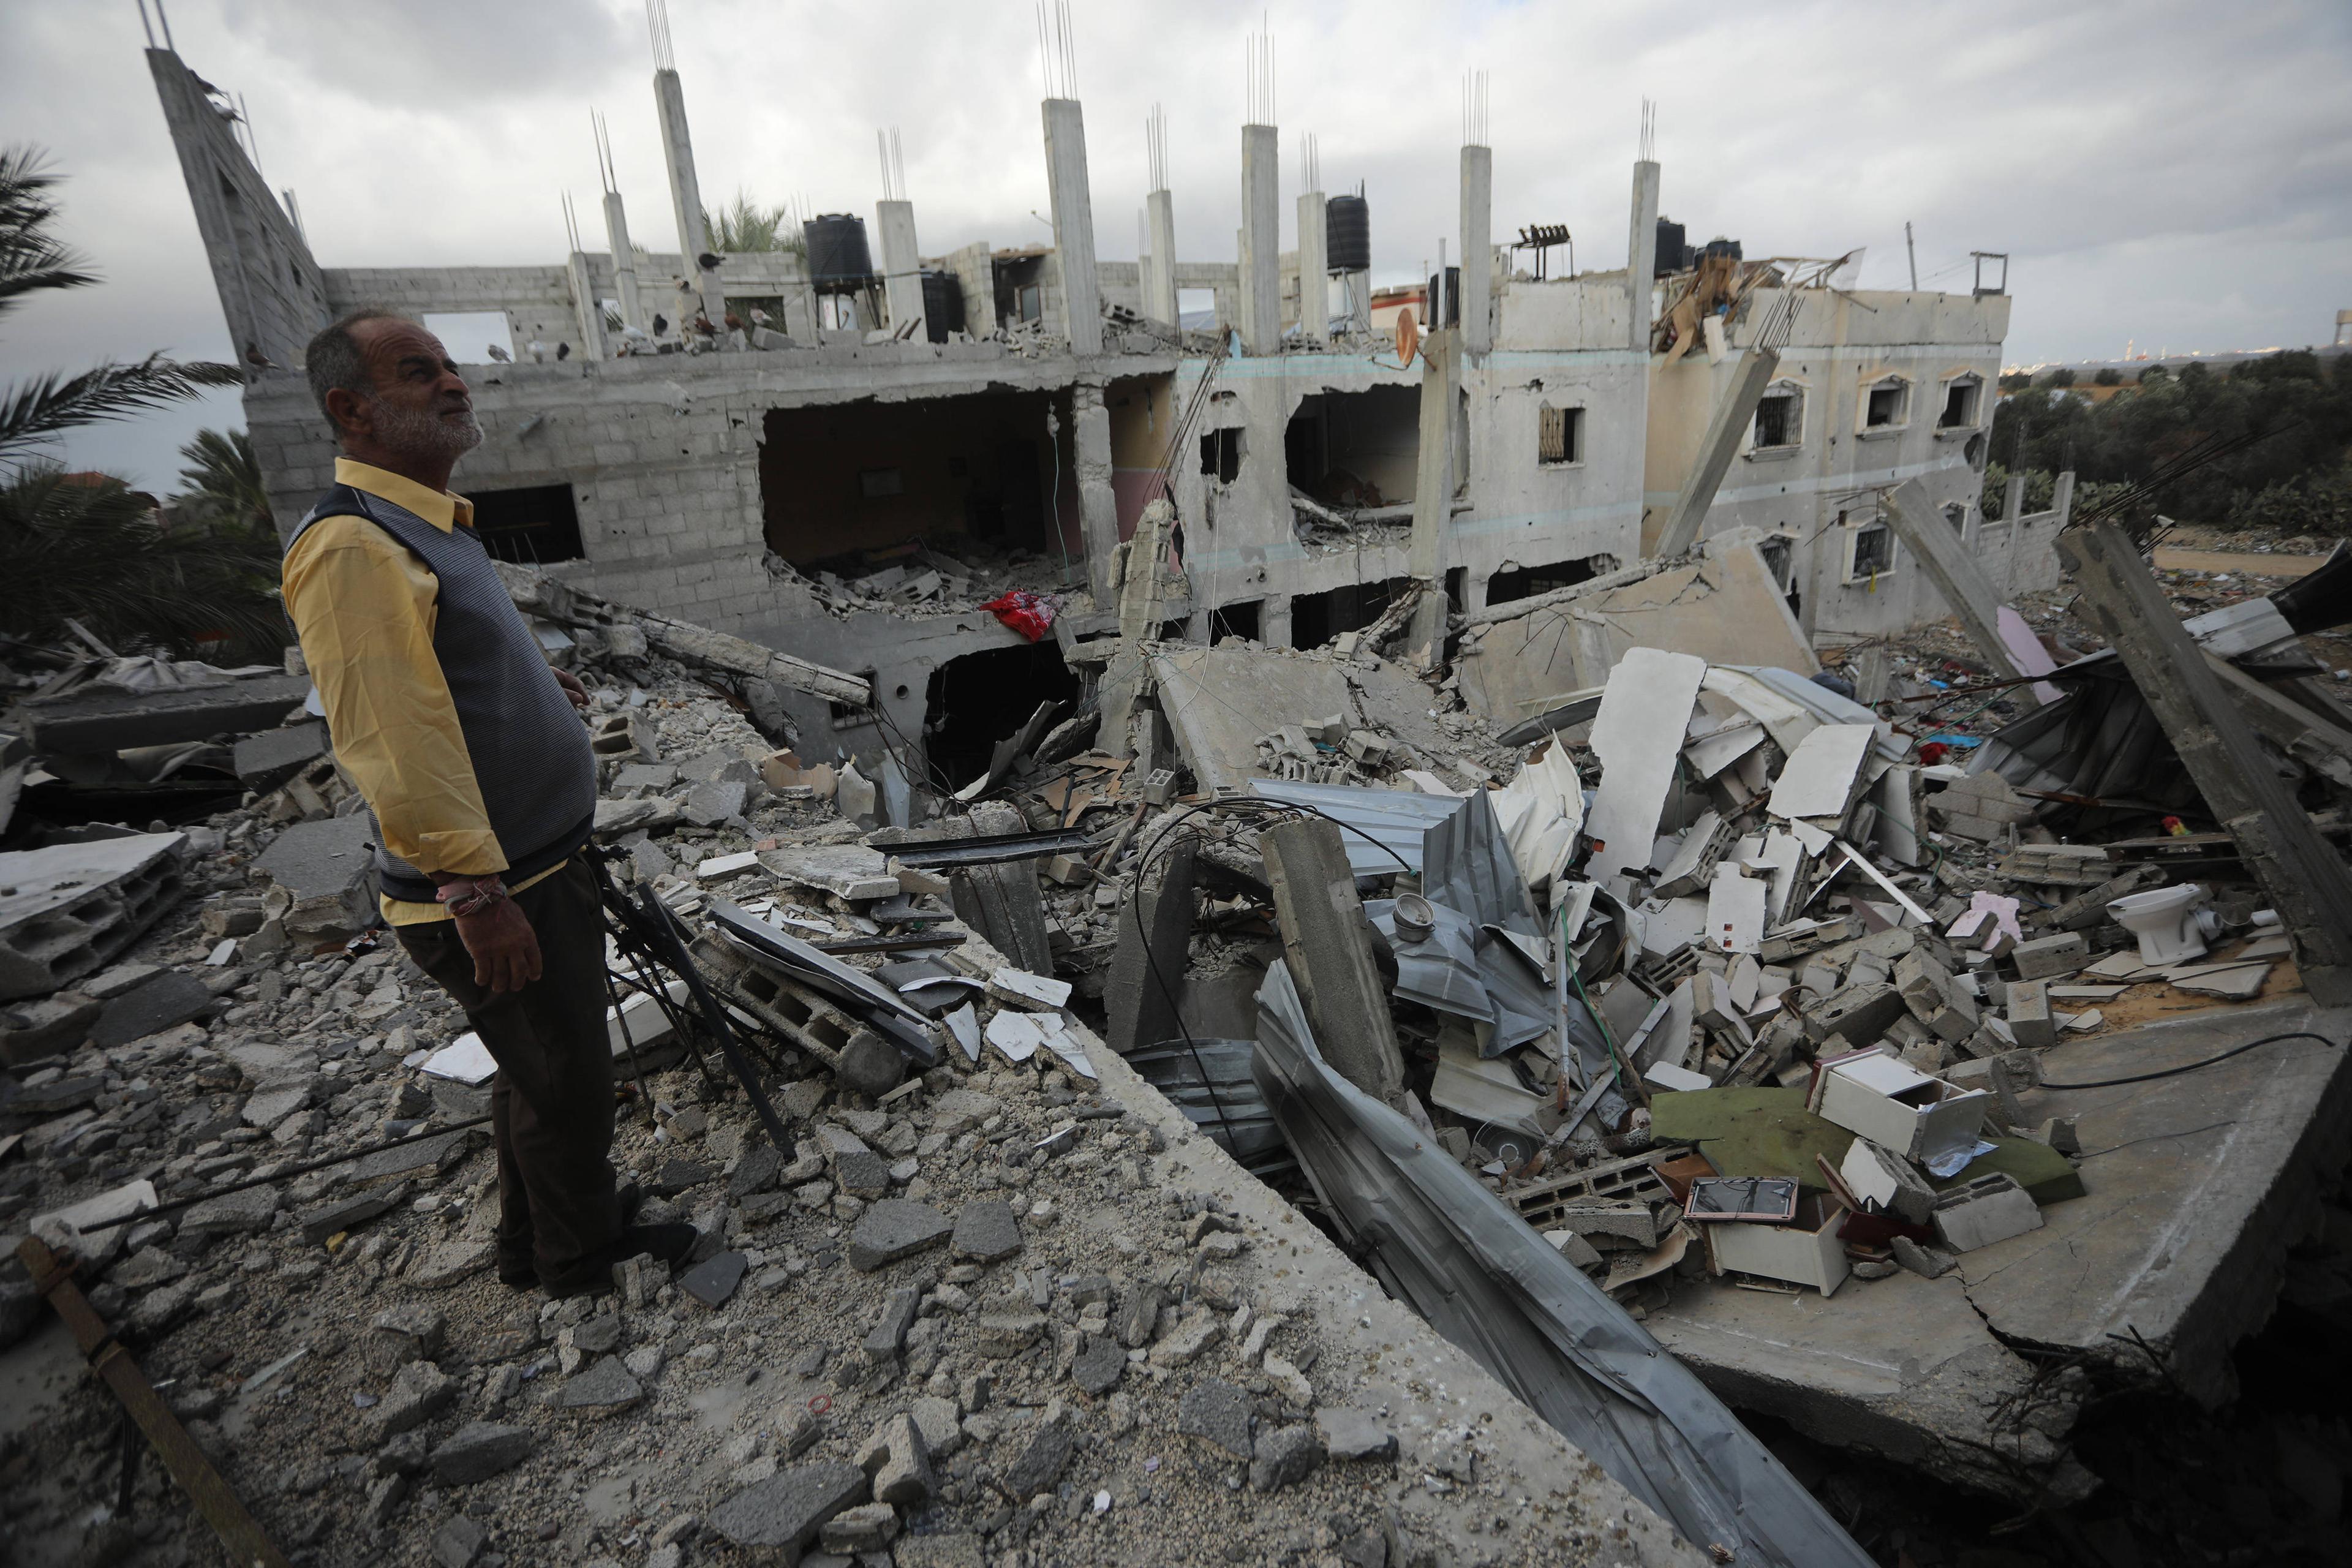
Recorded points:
(505, 948)
(571, 687)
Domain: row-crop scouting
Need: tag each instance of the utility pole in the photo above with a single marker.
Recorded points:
(1913, 254)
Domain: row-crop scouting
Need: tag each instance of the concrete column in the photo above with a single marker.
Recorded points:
(591, 310)
(1074, 246)
(1159, 301)
(1314, 272)
(1922, 530)
(1098, 502)
(1732, 417)
(685, 196)
(624, 261)
(1477, 249)
(1433, 484)
(1641, 261)
(2061, 497)
(902, 268)
(2012, 501)
(1261, 240)
(2302, 876)
(1330, 946)
(1642, 252)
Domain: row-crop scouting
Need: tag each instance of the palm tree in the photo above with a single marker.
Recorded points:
(743, 226)
(35, 411)
(221, 488)
(87, 547)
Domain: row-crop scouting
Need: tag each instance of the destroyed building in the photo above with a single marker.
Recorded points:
(1357, 1060)
(944, 427)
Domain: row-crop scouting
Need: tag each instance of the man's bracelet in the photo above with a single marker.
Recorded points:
(478, 895)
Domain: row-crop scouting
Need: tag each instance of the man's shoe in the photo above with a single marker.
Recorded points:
(521, 1273)
(629, 1195)
(669, 1245)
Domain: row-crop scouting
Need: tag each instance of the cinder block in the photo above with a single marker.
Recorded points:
(1984, 1211)
(2028, 1013)
(2048, 956)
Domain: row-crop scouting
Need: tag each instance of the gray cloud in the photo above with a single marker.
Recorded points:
(2161, 171)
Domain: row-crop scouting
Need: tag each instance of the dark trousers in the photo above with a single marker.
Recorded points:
(551, 1100)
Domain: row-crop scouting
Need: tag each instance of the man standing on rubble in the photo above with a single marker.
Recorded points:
(477, 770)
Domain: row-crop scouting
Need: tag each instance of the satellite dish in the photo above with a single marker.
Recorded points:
(1408, 337)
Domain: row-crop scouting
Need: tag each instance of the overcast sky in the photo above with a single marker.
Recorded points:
(2178, 173)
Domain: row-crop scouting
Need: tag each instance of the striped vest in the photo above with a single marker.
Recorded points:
(529, 747)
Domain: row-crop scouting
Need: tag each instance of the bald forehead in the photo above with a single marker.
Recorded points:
(391, 347)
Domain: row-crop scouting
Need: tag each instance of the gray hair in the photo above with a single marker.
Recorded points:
(333, 359)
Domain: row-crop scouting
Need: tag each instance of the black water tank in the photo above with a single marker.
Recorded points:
(942, 305)
(1348, 234)
(1719, 246)
(1453, 300)
(1671, 247)
(837, 259)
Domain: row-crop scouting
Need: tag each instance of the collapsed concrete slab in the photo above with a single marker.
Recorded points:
(107, 719)
(1726, 608)
(2195, 1186)
(66, 911)
(1219, 701)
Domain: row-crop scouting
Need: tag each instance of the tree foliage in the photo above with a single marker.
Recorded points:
(2301, 405)
(87, 547)
(222, 488)
(743, 226)
(35, 411)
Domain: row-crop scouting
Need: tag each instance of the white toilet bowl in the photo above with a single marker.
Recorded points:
(2171, 924)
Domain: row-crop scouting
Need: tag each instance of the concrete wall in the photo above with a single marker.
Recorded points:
(270, 288)
(1560, 343)
(1840, 344)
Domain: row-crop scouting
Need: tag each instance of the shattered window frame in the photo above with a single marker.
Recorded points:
(1560, 436)
(1895, 383)
(1972, 384)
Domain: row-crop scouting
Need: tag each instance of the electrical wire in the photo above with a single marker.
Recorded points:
(2190, 1067)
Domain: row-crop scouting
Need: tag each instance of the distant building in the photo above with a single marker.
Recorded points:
(1035, 399)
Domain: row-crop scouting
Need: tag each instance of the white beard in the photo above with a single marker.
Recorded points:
(426, 436)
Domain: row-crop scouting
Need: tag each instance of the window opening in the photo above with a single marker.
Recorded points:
(1776, 419)
(530, 525)
(1559, 435)
(1236, 621)
(469, 335)
(1885, 405)
(1960, 405)
(1317, 618)
(1874, 551)
(1220, 455)
(1516, 582)
(1354, 448)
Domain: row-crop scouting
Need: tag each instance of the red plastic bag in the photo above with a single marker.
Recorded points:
(1031, 615)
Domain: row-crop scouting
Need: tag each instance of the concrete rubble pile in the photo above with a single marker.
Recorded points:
(999, 1302)
(1728, 986)
(1711, 989)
